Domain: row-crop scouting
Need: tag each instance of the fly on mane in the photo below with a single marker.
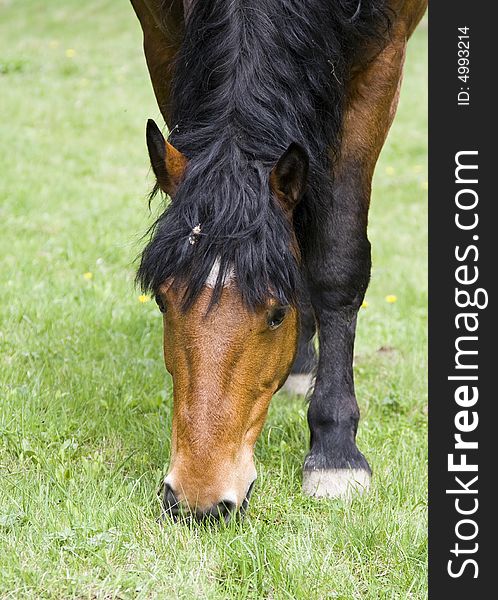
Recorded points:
(252, 77)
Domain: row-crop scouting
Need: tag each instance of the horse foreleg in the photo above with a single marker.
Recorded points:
(339, 275)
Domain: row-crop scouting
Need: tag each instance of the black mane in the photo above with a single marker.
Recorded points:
(251, 77)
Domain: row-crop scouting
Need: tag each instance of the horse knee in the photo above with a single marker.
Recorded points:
(343, 281)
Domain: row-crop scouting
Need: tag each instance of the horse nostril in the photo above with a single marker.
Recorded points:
(245, 502)
(170, 502)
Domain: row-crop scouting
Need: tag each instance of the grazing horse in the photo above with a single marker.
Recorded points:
(277, 112)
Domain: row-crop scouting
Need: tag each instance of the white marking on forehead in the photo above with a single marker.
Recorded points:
(213, 275)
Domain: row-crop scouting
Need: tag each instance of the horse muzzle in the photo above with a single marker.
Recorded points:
(222, 511)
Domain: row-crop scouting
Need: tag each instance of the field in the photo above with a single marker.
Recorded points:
(85, 402)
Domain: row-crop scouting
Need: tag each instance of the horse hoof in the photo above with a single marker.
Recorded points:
(335, 483)
(298, 384)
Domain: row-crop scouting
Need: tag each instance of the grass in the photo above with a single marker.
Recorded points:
(85, 403)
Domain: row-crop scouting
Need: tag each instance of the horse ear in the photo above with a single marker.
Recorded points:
(289, 176)
(167, 162)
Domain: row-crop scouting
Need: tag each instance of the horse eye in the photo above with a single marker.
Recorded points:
(160, 303)
(276, 316)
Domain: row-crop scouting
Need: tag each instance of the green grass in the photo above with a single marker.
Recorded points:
(85, 402)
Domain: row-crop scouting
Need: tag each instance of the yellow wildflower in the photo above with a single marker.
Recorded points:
(391, 298)
(390, 170)
(143, 298)
(70, 52)
(364, 304)
(88, 275)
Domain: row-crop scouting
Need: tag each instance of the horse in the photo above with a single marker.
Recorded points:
(277, 111)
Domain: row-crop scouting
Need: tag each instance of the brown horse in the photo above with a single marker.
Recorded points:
(277, 111)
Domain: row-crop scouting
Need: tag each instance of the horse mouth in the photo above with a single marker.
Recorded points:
(223, 512)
